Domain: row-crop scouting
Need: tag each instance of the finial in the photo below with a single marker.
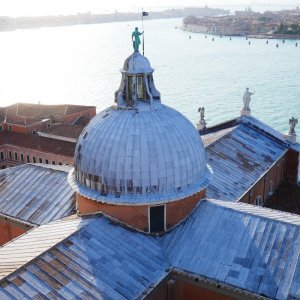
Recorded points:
(246, 111)
(292, 136)
(136, 39)
(201, 124)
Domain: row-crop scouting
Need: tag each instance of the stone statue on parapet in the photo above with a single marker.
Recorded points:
(292, 122)
(201, 110)
(247, 99)
(201, 124)
(136, 39)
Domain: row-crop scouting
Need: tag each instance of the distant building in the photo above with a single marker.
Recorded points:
(159, 216)
(35, 133)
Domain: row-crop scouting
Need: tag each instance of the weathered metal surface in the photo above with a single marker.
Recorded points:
(246, 246)
(99, 261)
(36, 194)
(149, 156)
(269, 131)
(30, 245)
(239, 158)
(237, 244)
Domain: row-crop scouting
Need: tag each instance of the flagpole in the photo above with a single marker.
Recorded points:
(143, 29)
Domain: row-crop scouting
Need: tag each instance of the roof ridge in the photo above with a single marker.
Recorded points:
(259, 211)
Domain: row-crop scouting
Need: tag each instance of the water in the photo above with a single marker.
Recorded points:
(79, 64)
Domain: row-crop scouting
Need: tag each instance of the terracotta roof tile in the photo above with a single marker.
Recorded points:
(65, 130)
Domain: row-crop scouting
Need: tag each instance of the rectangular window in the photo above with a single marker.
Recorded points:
(140, 87)
(40, 160)
(46, 161)
(1, 127)
(9, 128)
(34, 159)
(33, 132)
(9, 155)
(16, 156)
(22, 157)
(53, 162)
(157, 218)
(49, 125)
(2, 155)
(27, 158)
(60, 164)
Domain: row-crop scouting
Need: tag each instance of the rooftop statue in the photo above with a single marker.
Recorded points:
(136, 39)
(247, 99)
(201, 110)
(293, 122)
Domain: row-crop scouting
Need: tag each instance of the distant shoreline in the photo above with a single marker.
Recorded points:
(12, 24)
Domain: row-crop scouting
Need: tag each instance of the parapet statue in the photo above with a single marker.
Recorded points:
(136, 39)
(293, 122)
(247, 99)
(201, 110)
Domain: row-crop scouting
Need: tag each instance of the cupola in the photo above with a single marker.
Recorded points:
(139, 161)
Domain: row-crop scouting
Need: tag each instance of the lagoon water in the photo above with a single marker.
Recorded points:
(80, 64)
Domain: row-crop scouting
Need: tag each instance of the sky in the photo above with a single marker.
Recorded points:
(16, 8)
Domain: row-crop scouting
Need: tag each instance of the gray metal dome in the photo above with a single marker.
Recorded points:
(127, 156)
(137, 64)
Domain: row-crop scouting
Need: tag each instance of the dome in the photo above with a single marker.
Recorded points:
(131, 156)
(137, 64)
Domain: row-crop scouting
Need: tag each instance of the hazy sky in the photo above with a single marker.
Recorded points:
(49, 7)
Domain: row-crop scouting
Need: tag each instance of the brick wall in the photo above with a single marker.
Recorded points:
(137, 215)
(9, 231)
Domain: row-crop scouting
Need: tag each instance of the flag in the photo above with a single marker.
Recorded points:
(145, 14)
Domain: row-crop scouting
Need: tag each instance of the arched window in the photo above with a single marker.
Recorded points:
(259, 201)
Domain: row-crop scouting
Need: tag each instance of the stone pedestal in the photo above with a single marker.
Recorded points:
(245, 112)
(291, 137)
(201, 125)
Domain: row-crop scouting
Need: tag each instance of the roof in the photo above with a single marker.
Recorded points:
(241, 245)
(36, 194)
(88, 264)
(42, 111)
(239, 156)
(38, 143)
(150, 156)
(20, 251)
(64, 130)
(236, 244)
(137, 64)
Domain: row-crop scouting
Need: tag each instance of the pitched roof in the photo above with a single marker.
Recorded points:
(97, 260)
(236, 244)
(41, 111)
(239, 156)
(64, 130)
(245, 246)
(17, 253)
(36, 194)
(38, 143)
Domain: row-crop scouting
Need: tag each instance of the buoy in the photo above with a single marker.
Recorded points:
(230, 39)
(296, 44)
(190, 37)
(246, 38)
(283, 41)
(206, 36)
(267, 42)
(213, 39)
(249, 43)
(277, 45)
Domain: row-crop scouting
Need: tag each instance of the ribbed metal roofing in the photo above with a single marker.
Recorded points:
(236, 244)
(99, 261)
(244, 246)
(36, 194)
(145, 156)
(239, 158)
